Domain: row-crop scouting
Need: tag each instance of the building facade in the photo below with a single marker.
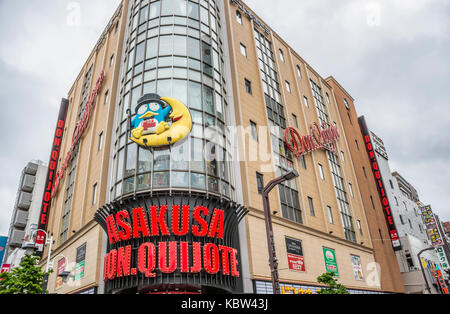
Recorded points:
(182, 113)
(25, 216)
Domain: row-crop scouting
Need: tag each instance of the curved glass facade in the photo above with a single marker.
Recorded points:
(174, 49)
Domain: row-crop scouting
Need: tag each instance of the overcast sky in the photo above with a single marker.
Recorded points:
(392, 56)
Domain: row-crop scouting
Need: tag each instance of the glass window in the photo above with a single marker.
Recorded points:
(197, 156)
(254, 130)
(152, 48)
(173, 7)
(155, 9)
(179, 180)
(180, 90)
(160, 180)
(193, 10)
(145, 160)
(143, 15)
(195, 95)
(180, 46)
(243, 50)
(260, 182)
(162, 160)
(140, 51)
(165, 45)
(208, 95)
(311, 206)
(330, 215)
(239, 17)
(194, 48)
(180, 156)
(198, 181)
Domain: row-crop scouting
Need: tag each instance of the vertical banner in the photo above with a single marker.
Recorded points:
(60, 269)
(330, 261)
(3, 241)
(442, 258)
(432, 228)
(357, 267)
(380, 185)
(51, 174)
(80, 261)
(295, 257)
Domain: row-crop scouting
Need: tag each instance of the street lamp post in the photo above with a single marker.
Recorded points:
(273, 261)
(47, 267)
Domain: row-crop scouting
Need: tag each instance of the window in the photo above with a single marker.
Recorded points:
(330, 215)
(364, 170)
(396, 200)
(349, 118)
(346, 104)
(290, 205)
(358, 223)
(243, 50)
(239, 17)
(106, 97)
(299, 71)
(350, 187)
(342, 156)
(410, 224)
(281, 55)
(406, 207)
(371, 200)
(322, 175)
(94, 194)
(357, 145)
(311, 206)
(328, 98)
(100, 141)
(303, 161)
(381, 236)
(248, 86)
(111, 61)
(401, 220)
(391, 184)
(288, 87)
(260, 182)
(254, 130)
(294, 118)
(306, 101)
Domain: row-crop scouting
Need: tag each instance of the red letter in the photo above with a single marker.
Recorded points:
(202, 230)
(126, 233)
(140, 223)
(184, 257)
(176, 220)
(197, 258)
(124, 261)
(216, 225)
(163, 267)
(226, 251)
(112, 229)
(211, 258)
(158, 220)
(111, 270)
(147, 259)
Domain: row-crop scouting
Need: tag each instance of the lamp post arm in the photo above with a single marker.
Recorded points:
(423, 270)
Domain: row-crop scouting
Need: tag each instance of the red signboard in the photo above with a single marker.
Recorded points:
(5, 268)
(325, 138)
(78, 133)
(168, 256)
(53, 163)
(296, 262)
(380, 185)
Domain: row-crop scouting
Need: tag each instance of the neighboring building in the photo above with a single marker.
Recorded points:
(405, 211)
(24, 220)
(447, 227)
(245, 89)
(390, 277)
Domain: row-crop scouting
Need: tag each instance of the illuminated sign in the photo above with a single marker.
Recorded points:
(380, 185)
(51, 173)
(432, 228)
(442, 258)
(325, 138)
(357, 267)
(5, 268)
(80, 128)
(160, 121)
(155, 240)
(294, 249)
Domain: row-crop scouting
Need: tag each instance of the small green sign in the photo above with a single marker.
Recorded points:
(79, 270)
(330, 261)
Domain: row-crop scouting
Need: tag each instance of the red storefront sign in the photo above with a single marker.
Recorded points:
(380, 185)
(80, 128)
(168, 256)
(296, 262)
(325, 138)
(5, 268)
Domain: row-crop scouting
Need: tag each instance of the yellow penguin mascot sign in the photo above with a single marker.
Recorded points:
(160, 121)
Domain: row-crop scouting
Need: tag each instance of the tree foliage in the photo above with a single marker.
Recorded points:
(26, 279)
(333, 286)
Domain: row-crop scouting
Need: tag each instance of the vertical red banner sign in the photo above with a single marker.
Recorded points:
(51, 174)
(395, 239)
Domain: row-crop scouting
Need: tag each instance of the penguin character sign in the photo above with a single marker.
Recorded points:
(160, 121)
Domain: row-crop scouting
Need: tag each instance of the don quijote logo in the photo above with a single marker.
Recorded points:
(160, 121)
